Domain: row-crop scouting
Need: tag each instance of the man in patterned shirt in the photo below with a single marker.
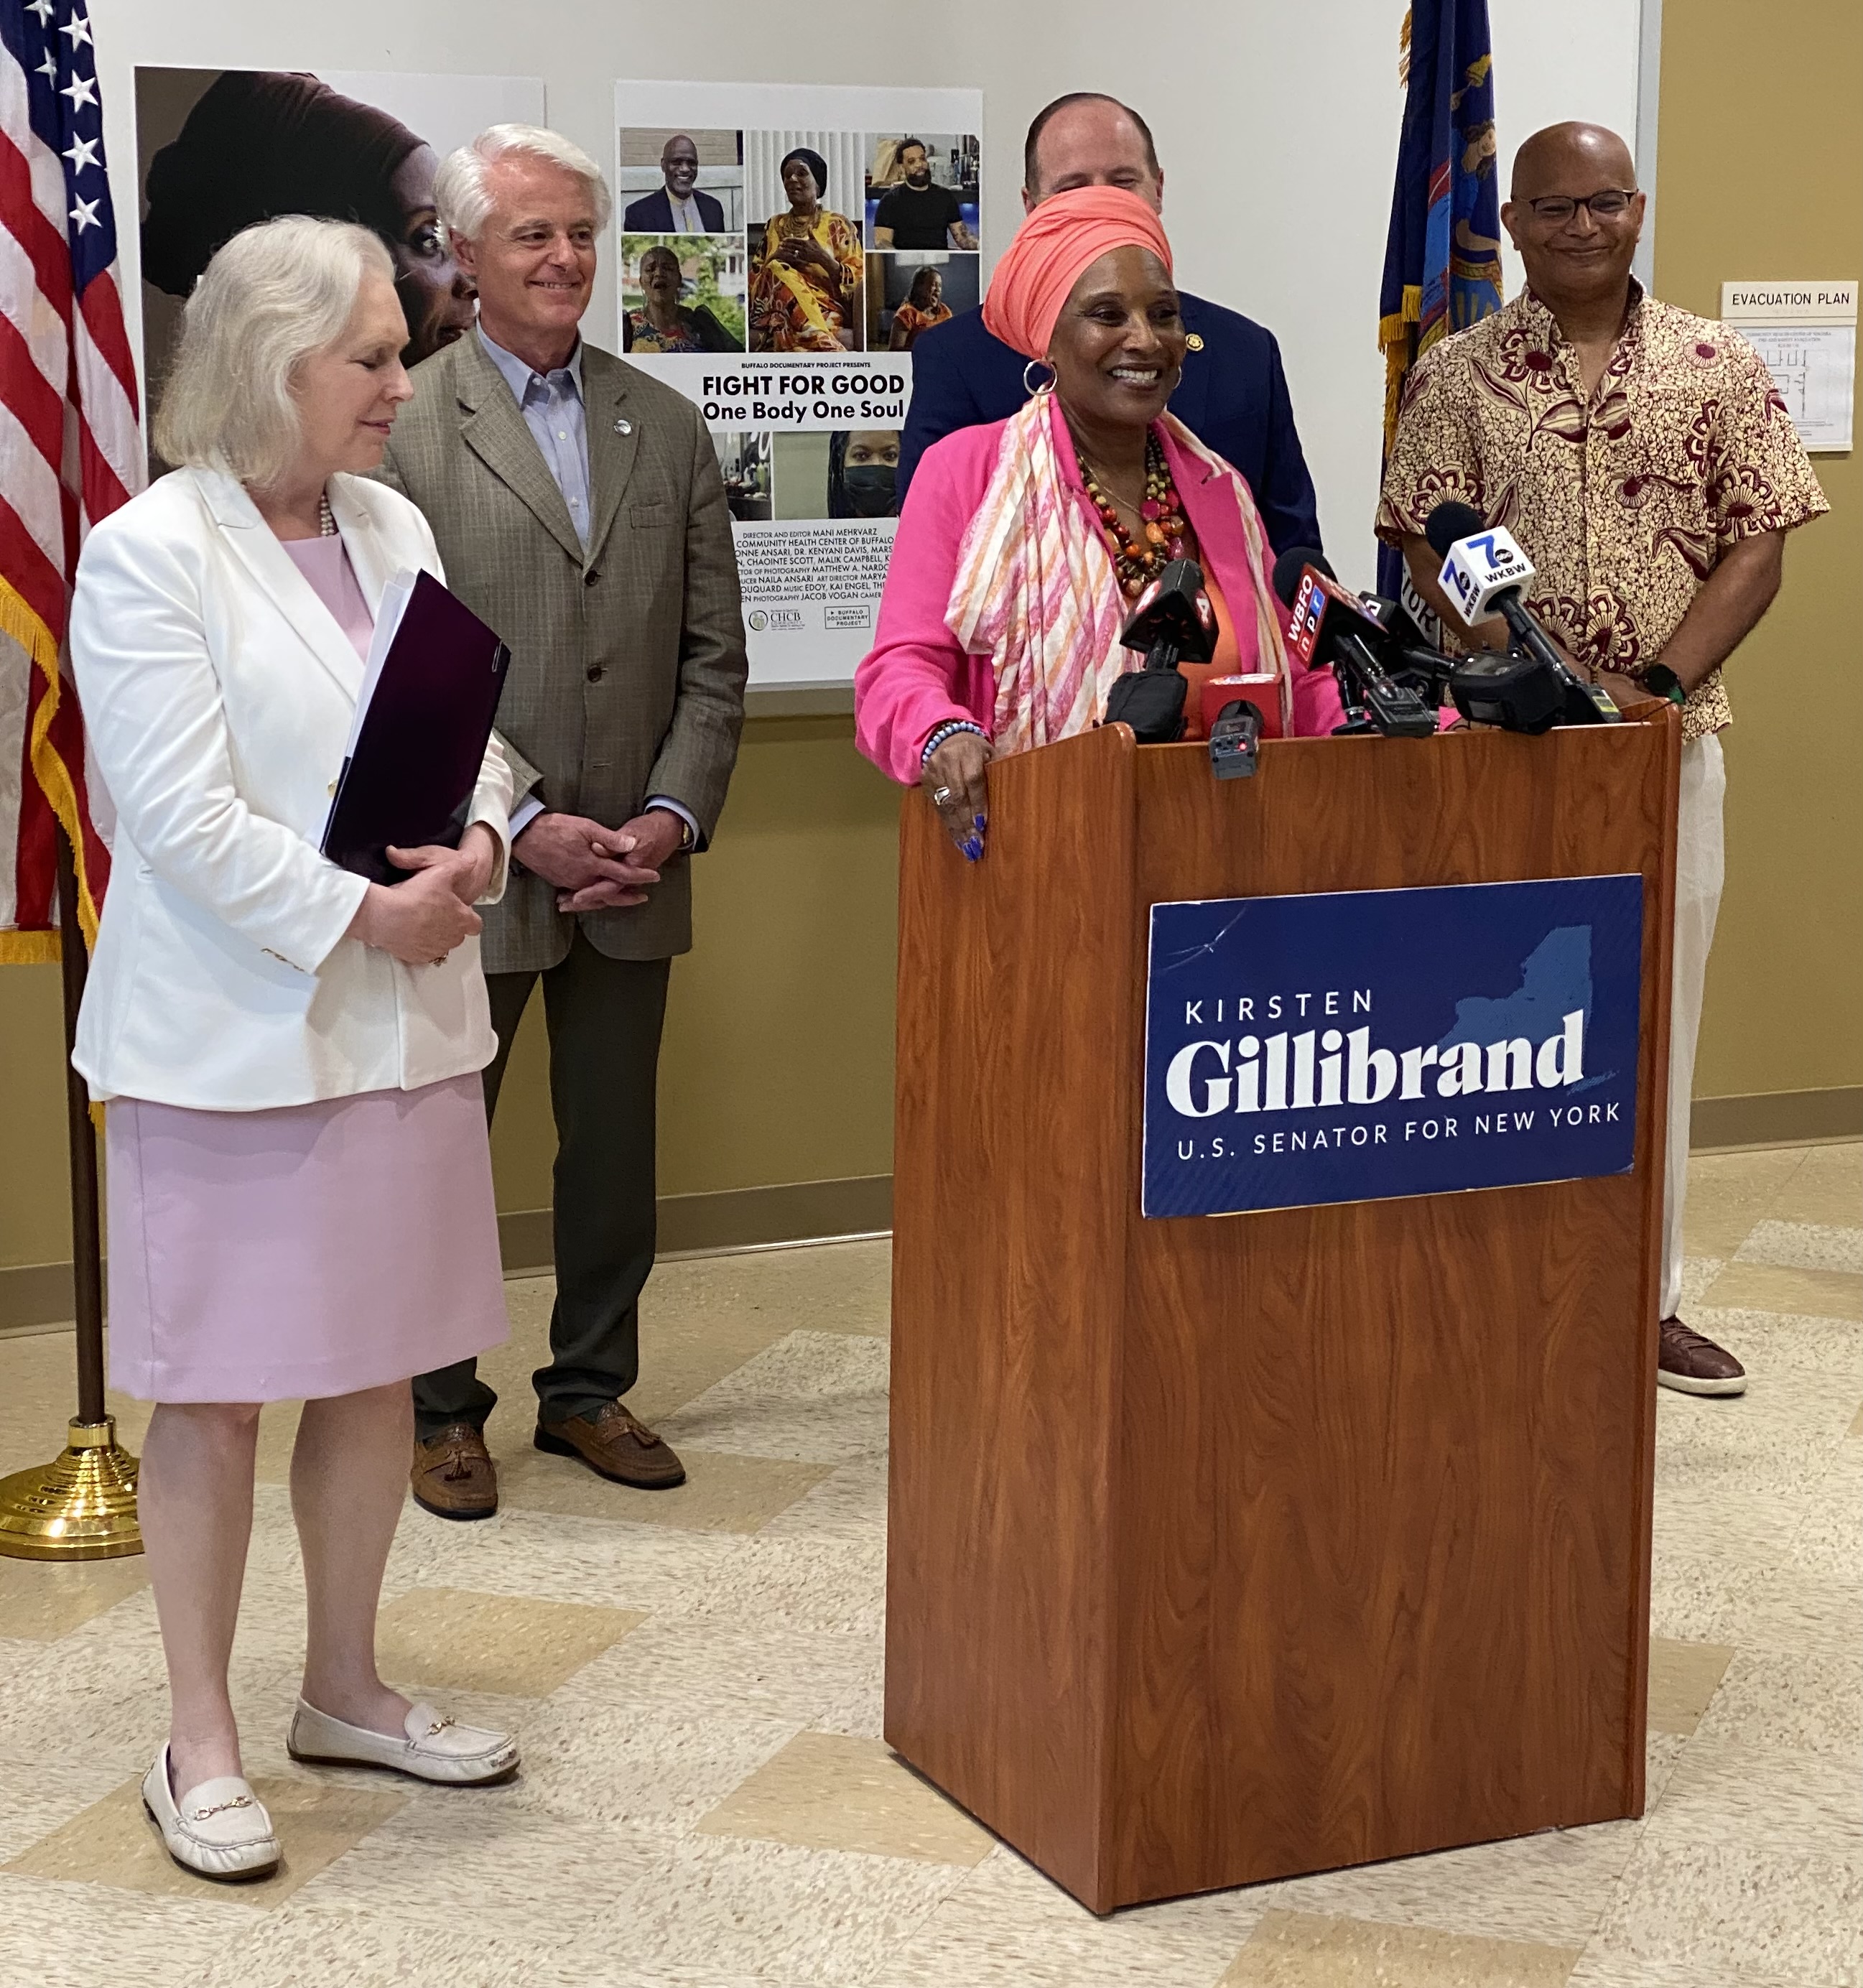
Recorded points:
(1647, 466)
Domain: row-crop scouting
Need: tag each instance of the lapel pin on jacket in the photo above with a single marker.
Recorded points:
(623, 425)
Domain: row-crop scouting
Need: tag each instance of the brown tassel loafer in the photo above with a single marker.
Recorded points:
(454, 1477)
(615, 1443)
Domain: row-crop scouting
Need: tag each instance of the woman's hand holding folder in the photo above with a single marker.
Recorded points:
(420, 919)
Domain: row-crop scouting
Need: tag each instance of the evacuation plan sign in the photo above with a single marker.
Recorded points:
(1365, 1045)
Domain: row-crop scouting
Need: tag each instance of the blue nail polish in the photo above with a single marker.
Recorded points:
(976, 821)
(973, 849)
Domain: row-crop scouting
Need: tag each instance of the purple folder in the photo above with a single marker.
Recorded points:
(429, 696)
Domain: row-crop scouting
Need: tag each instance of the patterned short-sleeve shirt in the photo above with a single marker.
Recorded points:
(1624, 505)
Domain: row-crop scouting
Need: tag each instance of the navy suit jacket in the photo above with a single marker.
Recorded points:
(1233, 398)
(653, 214)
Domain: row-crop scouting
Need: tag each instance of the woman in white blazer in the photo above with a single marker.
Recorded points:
(299, 1185)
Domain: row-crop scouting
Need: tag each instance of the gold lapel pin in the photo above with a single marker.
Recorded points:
(1193, 342)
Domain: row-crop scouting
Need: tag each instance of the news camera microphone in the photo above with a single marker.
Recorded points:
(1172, 621)
(1327, 626)
(1413, 658)
(1484, 573)
(1235, 738)
(1396, 620)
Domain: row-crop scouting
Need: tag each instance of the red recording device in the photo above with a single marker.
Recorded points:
(1262, 689)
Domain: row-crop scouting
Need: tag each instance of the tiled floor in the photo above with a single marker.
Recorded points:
(706, 1802)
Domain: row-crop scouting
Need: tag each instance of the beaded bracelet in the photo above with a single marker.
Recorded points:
(949, 730)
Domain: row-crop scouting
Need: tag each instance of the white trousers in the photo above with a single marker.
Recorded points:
(1700, 871)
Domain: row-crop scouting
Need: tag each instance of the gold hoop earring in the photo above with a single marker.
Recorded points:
(1047, 385)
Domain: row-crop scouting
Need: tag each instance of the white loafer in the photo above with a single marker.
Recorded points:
(219, 1829)
(434, 1748)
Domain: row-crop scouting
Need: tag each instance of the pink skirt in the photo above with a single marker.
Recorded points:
(320, 1249)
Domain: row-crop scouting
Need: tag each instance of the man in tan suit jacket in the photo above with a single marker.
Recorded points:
(579, 510)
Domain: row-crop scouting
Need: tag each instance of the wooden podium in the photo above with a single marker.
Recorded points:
(1222, 1550)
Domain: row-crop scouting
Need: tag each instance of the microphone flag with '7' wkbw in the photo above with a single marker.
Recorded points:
(1369, 1045)
(1478, 569)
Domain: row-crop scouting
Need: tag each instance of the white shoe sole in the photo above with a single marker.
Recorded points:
(1685, 1384)
(414, 1773)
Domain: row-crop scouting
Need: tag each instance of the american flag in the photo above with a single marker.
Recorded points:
(70, 452)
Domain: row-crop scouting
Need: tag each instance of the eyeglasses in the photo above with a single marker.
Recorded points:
(1558, 209)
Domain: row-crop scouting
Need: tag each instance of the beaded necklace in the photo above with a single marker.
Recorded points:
(1139, 561)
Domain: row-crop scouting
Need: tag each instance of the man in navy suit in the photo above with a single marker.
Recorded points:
(680, 207)
(1233, 395)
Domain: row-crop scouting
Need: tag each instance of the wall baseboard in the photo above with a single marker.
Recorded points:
(736, 1219)
(1776, 1118)
(35, 1296)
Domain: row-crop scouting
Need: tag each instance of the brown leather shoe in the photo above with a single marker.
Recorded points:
(454, 1477)
(615, 1443)
(1685, 1360)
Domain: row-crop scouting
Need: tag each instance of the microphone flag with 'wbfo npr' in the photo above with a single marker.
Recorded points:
(1442, 260)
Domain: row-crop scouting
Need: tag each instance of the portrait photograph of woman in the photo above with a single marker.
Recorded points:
(907, 294)
(806, 266)
(218, 150)
(682, 293)
(837, 473)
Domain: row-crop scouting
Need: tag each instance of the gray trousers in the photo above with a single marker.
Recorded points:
(604, 1018)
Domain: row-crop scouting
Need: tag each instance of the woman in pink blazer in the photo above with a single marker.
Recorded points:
(1024, 543)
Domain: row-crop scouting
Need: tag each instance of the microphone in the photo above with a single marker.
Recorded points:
(1413, 658)
(1328, 626)
(1170, 620)
(1234, 739)
(1397, 620)
(1484, 572)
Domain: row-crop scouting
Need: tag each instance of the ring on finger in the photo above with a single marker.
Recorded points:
(940, 796)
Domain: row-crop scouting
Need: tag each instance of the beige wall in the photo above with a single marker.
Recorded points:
(1761, 176)
(35, 1189)
(778, 1064)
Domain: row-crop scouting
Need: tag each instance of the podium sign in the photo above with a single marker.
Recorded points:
(1368, 1045)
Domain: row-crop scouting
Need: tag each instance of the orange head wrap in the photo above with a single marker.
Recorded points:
(1055, 245)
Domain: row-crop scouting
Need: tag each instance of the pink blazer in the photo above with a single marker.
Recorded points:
(916, 676)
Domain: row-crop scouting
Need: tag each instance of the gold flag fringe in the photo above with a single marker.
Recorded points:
(54, 776)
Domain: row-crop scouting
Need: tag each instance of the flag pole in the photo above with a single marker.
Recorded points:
(81, 1506)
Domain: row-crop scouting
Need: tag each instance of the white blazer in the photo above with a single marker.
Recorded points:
(218, 692)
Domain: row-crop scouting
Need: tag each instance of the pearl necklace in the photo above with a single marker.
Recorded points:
(326, 518)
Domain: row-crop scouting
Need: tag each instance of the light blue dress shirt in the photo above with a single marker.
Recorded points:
(552, 405)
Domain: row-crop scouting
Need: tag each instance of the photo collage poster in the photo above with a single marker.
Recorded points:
(777, 249)
(216, 149)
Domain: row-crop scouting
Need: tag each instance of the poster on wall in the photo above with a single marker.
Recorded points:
(1807, 333)
(777, 249)
(216, 149)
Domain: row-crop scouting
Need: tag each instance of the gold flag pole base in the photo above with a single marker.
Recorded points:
(81, 1506)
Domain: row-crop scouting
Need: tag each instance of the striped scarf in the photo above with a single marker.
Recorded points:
(1035, 590)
